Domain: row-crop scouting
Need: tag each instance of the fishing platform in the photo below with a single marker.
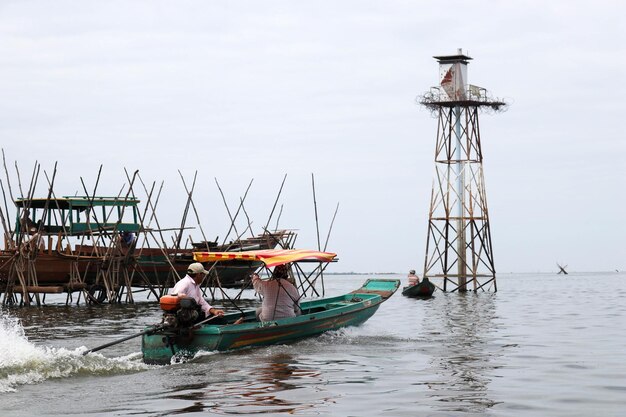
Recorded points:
(99, 248)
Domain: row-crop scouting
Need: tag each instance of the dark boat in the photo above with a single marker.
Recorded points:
(239, 330)
(424, 289)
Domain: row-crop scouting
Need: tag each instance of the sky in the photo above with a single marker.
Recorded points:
(241, 91)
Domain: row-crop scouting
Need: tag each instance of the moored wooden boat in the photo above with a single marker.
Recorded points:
(79, 246)
(424, 289)
(318, 316)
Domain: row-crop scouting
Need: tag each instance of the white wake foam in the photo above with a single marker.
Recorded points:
(22, 362)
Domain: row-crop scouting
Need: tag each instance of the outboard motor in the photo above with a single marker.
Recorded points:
(179, 311)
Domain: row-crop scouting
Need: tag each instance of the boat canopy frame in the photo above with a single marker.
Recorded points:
(270, 257)
(274, 257)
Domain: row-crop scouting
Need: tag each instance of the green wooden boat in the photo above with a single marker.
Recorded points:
(318, 316)
(424, 289)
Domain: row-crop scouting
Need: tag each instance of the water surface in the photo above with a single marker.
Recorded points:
(544, 345)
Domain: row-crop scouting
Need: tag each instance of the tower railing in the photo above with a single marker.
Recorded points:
(471, 95)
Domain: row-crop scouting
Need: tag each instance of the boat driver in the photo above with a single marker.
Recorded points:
(189, 286)
(413, 279)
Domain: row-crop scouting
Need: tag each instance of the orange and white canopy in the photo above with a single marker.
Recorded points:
(270, 257)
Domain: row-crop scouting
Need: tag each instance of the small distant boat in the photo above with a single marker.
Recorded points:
(237, 330)
(424, 289)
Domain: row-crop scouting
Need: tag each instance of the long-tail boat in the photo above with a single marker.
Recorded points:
(176, 339)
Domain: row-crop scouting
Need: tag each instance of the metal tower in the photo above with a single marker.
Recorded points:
(458, 248)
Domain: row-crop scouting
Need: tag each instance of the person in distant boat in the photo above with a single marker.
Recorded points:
(29, 224)
(35, 242)
(127, 238)
(280, 297)
(189, 286)
(413, 279)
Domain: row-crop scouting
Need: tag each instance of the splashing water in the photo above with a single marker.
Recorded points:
(22, 362)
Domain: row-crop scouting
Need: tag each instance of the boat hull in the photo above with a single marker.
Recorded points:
(423, 289)
(318, 316)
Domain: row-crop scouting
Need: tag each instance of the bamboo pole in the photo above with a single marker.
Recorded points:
(6, 171)
(280, 213)
(114, 248)
(232, 220)
(108, 265)
(317, 226)
(88, 225)
(185, 212)
(9, 228)
(331, 227)
(146, 231)
(136, 264)
(75, 275)
(107, 268)
(193, 205)
(153, 217)
(5, 226)
(275, 202)
(31, 273)
(33, 281)
(247, 217)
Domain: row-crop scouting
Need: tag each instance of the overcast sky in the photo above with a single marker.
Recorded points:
(242, 90)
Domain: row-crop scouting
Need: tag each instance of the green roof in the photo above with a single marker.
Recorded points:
(76, 202)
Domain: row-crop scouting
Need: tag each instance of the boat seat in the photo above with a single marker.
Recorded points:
(336, 305)
(314, 310)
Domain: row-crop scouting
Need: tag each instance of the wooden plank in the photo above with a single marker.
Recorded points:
(31, 289)
(75, 287)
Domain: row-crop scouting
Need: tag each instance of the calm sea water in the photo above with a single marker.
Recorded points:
(544, 345)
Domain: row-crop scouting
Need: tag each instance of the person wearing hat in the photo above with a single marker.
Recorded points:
(413, 279)
(189, 286)
(280, 296)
